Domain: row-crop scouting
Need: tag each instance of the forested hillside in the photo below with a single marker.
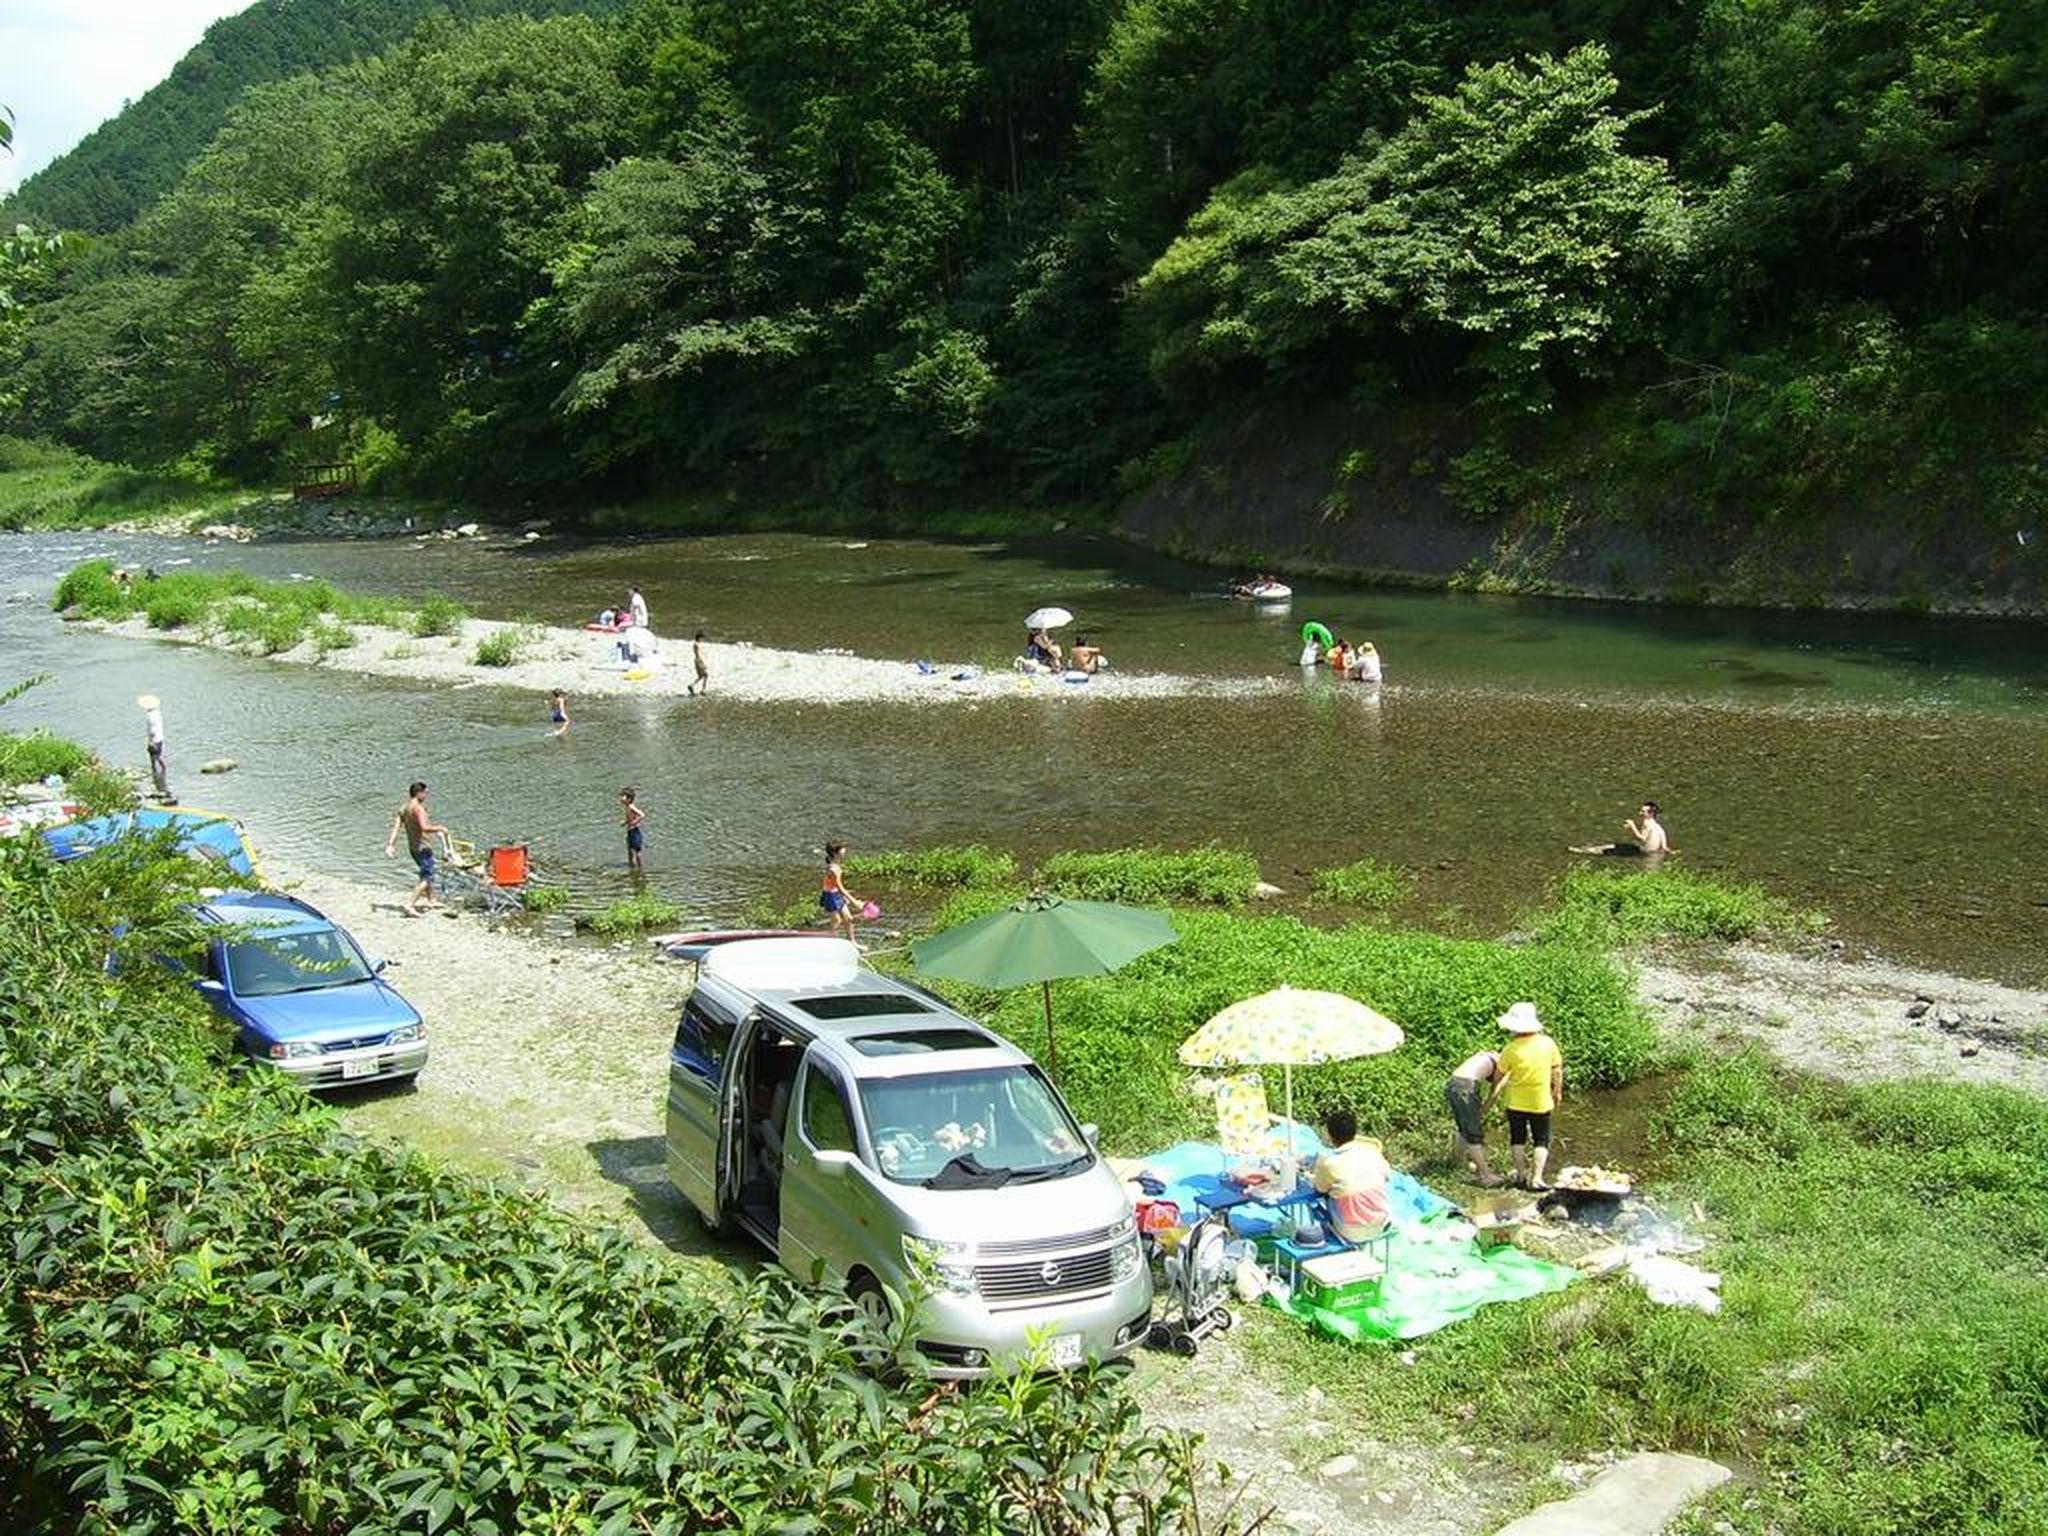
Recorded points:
(1686, 264)
(122, 167)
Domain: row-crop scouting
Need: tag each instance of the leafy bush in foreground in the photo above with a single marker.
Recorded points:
(223, 1313)
(1606, 908)
(1212, 875)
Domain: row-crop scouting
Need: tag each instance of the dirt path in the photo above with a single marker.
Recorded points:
(1853, 1019)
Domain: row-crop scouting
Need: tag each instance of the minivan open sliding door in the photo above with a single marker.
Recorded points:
(732, 1118)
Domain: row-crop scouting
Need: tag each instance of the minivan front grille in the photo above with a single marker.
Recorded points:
(356, 1044)
(1035, 1245)
(1047, 1277)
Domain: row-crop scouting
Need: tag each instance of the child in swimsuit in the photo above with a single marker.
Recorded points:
(835, 898)
(558, 711)
(636, 839)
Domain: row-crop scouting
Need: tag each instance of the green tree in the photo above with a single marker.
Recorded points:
(464, 165)
(1506, 217)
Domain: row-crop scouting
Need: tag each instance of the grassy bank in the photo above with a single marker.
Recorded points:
(45, 485)
(1118, 1034)
(269, 616)
(1881, 1360)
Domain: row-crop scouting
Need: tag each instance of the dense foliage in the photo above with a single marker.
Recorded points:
(1749, 258)
(220, 1312)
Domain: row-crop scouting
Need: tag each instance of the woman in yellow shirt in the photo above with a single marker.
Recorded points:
(1529, 1082)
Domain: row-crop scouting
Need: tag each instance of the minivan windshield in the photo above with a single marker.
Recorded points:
(293, 962)
(976, 1129)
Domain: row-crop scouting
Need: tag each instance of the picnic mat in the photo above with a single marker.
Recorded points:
(1436, 1275)
(1192, 1168)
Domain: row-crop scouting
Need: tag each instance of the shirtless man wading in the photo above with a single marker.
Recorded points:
(1648, 834)
(412, 818)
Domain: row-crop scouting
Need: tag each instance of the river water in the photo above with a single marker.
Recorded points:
(1888, 770)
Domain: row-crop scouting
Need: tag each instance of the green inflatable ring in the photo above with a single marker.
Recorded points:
(1314, 631)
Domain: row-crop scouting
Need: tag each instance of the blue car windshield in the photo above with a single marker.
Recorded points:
(275, 963)
(993, 1126)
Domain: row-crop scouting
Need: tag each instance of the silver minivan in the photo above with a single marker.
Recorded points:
(867, 1133)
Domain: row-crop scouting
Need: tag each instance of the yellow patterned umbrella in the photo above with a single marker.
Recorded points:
(1289, 1028)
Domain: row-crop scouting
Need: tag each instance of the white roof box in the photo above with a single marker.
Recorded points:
(779, 964)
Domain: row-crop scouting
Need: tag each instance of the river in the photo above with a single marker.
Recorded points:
(1887, 770)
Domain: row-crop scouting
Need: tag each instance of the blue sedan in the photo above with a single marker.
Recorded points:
(303, 996)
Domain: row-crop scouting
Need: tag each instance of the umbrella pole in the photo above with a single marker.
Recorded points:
(1052, 1056)
(1291, 1166)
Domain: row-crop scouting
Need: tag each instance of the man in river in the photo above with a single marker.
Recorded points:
(1649, 837)
(419, 830)
(153, 737)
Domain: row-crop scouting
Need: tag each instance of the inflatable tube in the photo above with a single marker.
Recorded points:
(1318, 632)
(1270, 591)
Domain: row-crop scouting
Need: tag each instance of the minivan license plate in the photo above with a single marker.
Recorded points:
(1066, 1351)
(365, 1067)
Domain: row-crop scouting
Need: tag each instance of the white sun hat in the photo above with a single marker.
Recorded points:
(1521, 1020)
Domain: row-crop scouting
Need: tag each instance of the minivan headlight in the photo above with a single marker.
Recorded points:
(946, 1266)
(293, 1050)
(1126, 1258)
(405, 1034)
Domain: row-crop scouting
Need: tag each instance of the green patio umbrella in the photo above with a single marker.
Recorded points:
(1043, 939)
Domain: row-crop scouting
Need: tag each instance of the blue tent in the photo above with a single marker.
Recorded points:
(199, 833)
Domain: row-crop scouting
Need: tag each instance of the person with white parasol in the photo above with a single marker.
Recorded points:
(1039, 647)
(1289, 1028)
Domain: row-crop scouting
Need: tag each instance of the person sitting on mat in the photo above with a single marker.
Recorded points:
(1649, 837)
(1085, 657)
(1354, 1174)
(1529, 1082)
(1039, 648)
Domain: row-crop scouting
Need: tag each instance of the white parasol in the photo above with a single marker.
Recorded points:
(1047, 618)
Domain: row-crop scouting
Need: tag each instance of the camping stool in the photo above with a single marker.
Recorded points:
(1335, 1281)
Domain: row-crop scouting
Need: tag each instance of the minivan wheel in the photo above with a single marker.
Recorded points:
(867, 1294)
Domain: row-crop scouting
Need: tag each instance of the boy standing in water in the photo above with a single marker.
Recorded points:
(703, 683)
(636, 840)
(558, 711)
(835, 898)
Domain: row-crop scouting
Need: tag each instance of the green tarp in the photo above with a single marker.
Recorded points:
(1435, 1276)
